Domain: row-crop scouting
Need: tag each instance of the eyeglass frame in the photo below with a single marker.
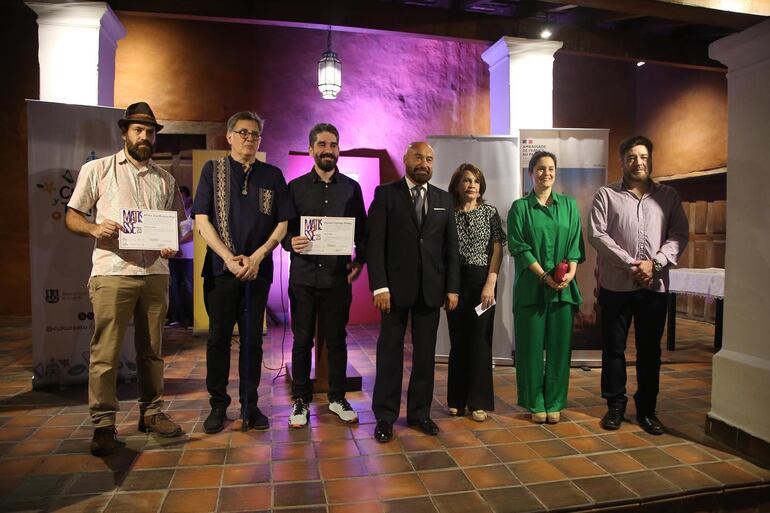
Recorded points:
(246, 134)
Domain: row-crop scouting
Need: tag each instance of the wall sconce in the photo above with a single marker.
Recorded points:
(329, 72)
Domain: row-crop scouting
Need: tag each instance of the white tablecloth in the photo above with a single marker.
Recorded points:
(709, 283)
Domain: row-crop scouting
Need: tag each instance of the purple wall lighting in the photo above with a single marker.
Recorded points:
(366, 171)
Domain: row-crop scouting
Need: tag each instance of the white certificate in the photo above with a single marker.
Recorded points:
(148, 229)
(328, 235)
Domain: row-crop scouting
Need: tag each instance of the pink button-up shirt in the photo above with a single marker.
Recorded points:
(109, 184)
(624, 229)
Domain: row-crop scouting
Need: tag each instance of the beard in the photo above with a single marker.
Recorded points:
(326, 165)
(140, 151)
(418, 178)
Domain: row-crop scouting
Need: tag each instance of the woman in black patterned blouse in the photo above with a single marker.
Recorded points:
(480, 236)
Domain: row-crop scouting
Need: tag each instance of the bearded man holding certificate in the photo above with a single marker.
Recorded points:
(321, 272)
(126, 283)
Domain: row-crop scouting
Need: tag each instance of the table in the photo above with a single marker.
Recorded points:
(708, 283)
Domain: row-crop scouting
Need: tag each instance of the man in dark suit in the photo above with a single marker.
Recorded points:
(413, 268)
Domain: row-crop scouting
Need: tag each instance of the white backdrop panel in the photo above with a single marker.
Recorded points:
(498, 159)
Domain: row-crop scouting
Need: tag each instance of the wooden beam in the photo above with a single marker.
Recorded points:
(370, 15)
(691, 11)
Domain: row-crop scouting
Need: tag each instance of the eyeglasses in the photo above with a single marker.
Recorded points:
(249, 134)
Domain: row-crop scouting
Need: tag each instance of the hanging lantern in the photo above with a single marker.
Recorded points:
(329, 72)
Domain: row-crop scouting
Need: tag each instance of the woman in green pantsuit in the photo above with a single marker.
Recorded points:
(544, 230)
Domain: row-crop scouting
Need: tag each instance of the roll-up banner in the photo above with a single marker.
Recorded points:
(582, 169)
(581, 155)
(60, 139)
(498, 159)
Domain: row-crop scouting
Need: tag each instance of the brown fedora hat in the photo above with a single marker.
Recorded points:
(139, 113)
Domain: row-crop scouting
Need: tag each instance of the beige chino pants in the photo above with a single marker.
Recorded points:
(116, 299)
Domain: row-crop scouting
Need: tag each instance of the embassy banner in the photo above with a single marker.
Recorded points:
(61, 138)
(581, 155)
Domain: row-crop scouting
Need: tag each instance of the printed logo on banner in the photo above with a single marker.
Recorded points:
(57, 295)
(82, 316)
(528, 148)
(59, 190)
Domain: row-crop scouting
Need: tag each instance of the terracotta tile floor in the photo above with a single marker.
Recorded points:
(505, 464)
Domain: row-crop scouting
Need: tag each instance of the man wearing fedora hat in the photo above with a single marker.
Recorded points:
(125, 284)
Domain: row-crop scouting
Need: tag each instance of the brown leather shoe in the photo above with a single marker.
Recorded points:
(161, 424)
(104, 441)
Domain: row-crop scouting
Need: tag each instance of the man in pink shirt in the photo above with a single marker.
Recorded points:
(125, 284)
(639, 230)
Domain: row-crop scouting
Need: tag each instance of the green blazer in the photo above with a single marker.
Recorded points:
(547, 235)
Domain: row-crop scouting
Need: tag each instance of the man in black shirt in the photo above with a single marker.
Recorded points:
(241, 209)
(321, 284)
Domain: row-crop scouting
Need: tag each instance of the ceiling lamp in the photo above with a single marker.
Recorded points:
(329, 72)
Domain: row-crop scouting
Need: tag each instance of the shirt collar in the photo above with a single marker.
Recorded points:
(532, 199)
(316, 178)
(653, 187)
(411, 185)
(234, 164)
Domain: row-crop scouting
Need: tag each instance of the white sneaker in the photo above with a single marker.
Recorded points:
(344, 411)
(299, 414)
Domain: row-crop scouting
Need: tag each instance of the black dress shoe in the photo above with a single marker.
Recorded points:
(651, 424)
(258, 420)
(383, 432)
(215, 422)
(426, 425)
(612, 419)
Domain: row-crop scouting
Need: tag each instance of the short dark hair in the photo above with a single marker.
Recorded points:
(457, 177)
(637, 140)
(185, 190)
(537, 156)
(247, 115)
(322, 127)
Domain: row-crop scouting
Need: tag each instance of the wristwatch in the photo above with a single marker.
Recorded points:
(657, 266)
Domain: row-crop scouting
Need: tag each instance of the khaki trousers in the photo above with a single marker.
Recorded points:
(116, 299)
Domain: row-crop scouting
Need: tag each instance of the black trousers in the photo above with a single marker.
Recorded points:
(227, 300)
(386, 399)
(648, 311)
(470, 356)
(332, 306)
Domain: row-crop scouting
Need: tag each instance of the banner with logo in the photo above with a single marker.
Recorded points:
(61, 138)
(581, 155)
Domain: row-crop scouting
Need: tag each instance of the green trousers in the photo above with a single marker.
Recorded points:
(543, 387)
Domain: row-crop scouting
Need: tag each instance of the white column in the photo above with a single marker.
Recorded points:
(77, 43)
(520, 84)
(741, 371)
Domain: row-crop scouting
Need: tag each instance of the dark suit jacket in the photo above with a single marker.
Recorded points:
(405, 257)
